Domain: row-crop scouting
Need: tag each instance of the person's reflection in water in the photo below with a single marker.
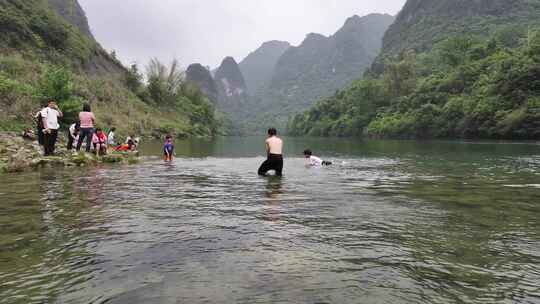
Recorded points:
(95, 194)
(273, 192)
(51, 190)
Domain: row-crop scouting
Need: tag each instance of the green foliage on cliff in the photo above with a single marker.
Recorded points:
(43, 56)
(32, 27)
(464, 88)
(421, 24)
(168, 89)
(24, 85)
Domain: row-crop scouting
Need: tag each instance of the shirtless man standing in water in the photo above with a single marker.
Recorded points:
(274, 150)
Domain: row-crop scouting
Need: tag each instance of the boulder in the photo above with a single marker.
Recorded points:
(82, 159)
(19, 162)
(112, 158)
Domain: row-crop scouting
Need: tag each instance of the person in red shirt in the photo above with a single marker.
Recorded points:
(99, 140)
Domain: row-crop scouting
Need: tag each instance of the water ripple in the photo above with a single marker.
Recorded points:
(369, 230)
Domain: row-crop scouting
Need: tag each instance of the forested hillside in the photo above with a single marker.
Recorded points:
(475, 84)
(423, 23)
(320, 65)
(258, 66)
(316, 68)
(43, 56)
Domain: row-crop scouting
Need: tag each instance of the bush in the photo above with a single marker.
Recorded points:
(57, 84)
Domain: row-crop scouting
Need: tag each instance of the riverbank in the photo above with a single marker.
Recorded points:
(18, 154)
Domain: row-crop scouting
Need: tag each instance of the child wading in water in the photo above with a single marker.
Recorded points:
(314, 161)
(168, 149)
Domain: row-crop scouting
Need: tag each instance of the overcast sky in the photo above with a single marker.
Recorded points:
(205, 31)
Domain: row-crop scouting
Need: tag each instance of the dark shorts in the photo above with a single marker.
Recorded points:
(168, 151)
(273, 162)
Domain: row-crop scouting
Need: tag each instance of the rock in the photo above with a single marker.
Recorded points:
(68, 163)
(18, 162)
(113, 158)
(3, 167)
(231, 85)
(36, 162)
(17, 154)
(17, 141)
(82, 158)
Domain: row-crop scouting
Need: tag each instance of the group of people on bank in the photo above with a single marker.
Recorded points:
(83, 131)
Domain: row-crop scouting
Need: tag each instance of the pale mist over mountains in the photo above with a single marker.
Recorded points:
(255, 60)
(207, 31)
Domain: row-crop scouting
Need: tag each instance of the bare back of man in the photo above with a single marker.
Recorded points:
(274, 145)
(274, 151)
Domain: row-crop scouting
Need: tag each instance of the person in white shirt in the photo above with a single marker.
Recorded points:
(73, 135)
(314, 161)
(110, 137)
(50, 116)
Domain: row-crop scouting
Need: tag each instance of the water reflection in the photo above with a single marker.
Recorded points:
(42, 252)
(273, 194)
(273, 187)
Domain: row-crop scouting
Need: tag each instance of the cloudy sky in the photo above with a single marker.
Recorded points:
(206, 31)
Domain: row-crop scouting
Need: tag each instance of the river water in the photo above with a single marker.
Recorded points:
(389, 222)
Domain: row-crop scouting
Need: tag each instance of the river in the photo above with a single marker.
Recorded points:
(389, 222)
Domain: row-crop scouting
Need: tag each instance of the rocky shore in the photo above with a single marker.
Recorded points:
(18, 154)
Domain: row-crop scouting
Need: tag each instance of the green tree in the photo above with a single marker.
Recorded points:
(134, 79)
(454, 51)
(57, 84)
(165, 82)
(533, 44)
(400, 76)
(510, 36)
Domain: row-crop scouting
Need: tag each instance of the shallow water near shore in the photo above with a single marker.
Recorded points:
(389, 222)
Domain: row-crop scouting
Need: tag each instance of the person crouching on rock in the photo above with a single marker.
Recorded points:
(132, 142)
(29, 134)
(111, 137)
(73, 135)
(99, 140)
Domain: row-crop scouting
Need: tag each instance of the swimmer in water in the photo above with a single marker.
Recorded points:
(314, 161)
